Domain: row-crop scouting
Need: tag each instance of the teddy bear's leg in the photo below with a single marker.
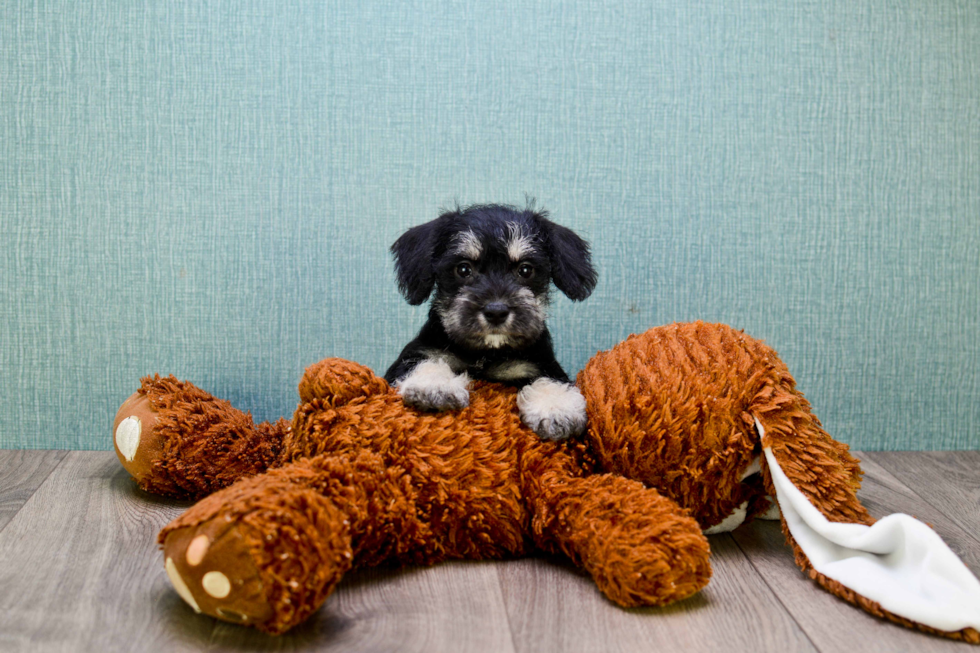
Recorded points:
(178, 440)
(667, 407)
(639, 546)
(816, 480)
(267, 551)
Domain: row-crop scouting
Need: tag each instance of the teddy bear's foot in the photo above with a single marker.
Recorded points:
(136, 441)
(212, 569)
(265, 552)
(655, 558)
(640, 547)
(177, 440)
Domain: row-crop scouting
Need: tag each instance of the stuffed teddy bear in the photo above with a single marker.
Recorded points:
(693, 429)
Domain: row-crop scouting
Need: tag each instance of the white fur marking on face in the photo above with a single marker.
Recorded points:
(467, 244)
(451, 317)
(197, 549)
(432, 385)
(216, 584)
(534, 304)
(180, 585)
(552, 409)
(731, 522)
(519, 244)
(128, 437)
(496, 340)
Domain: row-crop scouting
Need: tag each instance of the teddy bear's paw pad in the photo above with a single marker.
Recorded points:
(212, 569)
(136, 442)
(433, 385)
(178, 582)
(552, 409)
(128, 437)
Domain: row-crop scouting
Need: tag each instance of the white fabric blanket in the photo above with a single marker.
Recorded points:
(898, 562)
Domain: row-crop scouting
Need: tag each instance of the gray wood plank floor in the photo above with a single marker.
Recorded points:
(80, 571)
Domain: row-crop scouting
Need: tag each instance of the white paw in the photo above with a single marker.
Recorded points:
(552, 409)
(433, 385)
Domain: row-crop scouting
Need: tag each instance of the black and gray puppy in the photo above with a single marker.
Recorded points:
(491, 267)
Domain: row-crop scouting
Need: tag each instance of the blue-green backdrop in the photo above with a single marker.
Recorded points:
(210, 189)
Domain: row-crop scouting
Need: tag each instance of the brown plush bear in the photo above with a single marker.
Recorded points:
(357, 478)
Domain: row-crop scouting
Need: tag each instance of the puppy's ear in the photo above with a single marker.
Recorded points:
(413, 261)
(571, 263)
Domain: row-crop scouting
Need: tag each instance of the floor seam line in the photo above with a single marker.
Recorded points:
(39, 485)
(775, 594)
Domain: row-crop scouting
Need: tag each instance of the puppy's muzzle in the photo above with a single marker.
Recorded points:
(496, 313)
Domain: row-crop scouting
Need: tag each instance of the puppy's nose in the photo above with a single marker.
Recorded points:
(496, 313)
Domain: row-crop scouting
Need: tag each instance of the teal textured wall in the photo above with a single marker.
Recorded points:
(210, 189)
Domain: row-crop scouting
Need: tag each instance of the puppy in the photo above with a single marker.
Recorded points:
(491, 267)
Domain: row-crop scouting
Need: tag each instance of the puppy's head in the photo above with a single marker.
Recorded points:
(491, 267)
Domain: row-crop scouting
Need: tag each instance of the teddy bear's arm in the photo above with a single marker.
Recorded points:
(335, 381)
(639, 546)
(180, 441)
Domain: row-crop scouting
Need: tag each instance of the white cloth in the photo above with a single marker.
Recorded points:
(898, 562)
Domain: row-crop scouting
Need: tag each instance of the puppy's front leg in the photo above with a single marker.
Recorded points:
(553, 409)
(432, 385)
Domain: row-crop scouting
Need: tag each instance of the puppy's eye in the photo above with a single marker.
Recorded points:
(464, 270)
(525, 270)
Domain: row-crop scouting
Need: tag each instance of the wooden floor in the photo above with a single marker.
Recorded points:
(80, 571)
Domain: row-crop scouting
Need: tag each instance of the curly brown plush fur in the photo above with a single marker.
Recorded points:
(359, 479)
(675, 408)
